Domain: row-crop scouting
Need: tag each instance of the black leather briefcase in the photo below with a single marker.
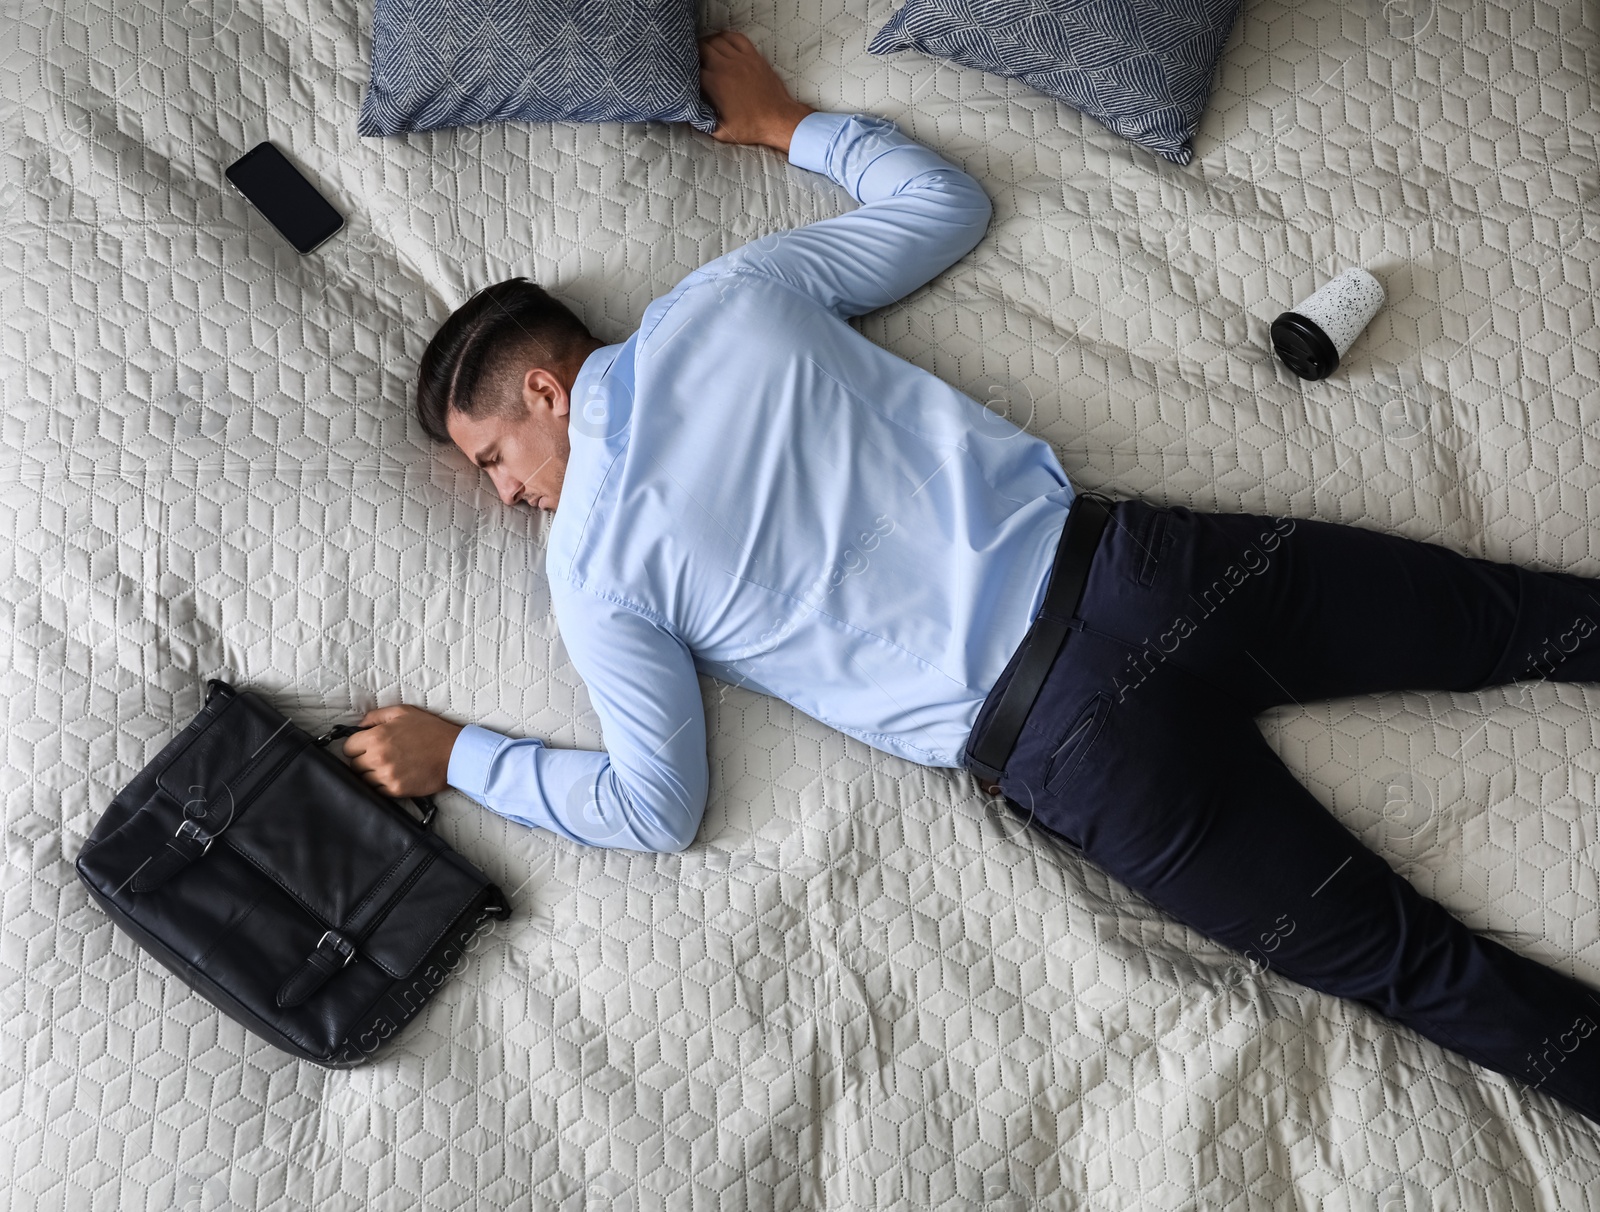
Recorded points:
(281, 887)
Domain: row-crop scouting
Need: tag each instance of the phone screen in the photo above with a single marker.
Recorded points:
(290, 202)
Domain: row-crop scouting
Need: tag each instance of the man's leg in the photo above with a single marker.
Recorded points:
(1143, 750)
(1179, 796)
(1279, 610)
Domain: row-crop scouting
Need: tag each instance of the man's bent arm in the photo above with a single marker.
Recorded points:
(919, 215)
(647, 791)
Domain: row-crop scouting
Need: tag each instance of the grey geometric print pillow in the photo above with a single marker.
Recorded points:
(457, 62)
(1143, 68)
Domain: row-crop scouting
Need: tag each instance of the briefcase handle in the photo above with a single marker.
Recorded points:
(339, 731)
(216, 686)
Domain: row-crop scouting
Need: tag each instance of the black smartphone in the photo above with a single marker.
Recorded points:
(280, 192)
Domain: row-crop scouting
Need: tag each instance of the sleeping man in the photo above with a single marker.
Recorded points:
(748, 488)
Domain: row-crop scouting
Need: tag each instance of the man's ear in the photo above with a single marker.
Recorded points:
(542, 390)
(561, 402)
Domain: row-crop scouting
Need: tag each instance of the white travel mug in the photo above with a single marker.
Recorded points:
(1312, 338)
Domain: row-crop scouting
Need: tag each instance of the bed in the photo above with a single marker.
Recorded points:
(864, 986)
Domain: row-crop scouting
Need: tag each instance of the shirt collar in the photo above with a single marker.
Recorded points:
(597, 428)
(597, 367)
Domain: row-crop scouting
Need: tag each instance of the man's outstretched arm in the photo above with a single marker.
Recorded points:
(919, 213)
(645, 791)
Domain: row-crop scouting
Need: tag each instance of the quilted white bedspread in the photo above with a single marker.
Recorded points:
(862, 987)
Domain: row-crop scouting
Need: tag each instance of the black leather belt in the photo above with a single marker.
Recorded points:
(990, 750)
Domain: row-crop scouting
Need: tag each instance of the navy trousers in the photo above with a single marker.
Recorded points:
(1142, 751)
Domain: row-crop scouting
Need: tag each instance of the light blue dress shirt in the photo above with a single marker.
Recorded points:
(759, 493)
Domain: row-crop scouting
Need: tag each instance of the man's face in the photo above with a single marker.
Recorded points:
(522, 444)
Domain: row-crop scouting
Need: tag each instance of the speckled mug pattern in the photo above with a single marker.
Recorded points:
(1344, 306)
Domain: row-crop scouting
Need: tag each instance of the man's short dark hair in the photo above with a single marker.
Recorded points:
(515, 318)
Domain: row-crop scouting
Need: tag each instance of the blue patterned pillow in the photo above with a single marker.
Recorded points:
(1141, 67)
(454, 62)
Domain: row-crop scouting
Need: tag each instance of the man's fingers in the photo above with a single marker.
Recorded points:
(375, 772)
(404, 751)
(378, 781)
(726, 46)
(367, 750)
(728, 40)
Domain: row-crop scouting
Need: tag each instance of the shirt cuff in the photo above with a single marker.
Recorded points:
(808, 146)
(470, 759)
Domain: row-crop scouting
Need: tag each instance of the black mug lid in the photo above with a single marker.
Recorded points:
(1303, 347)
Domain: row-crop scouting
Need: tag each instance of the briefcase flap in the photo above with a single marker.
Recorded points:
(417, 920)
(231, 758)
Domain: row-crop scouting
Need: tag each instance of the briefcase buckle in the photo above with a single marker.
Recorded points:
(190, 831)
(341, 946)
